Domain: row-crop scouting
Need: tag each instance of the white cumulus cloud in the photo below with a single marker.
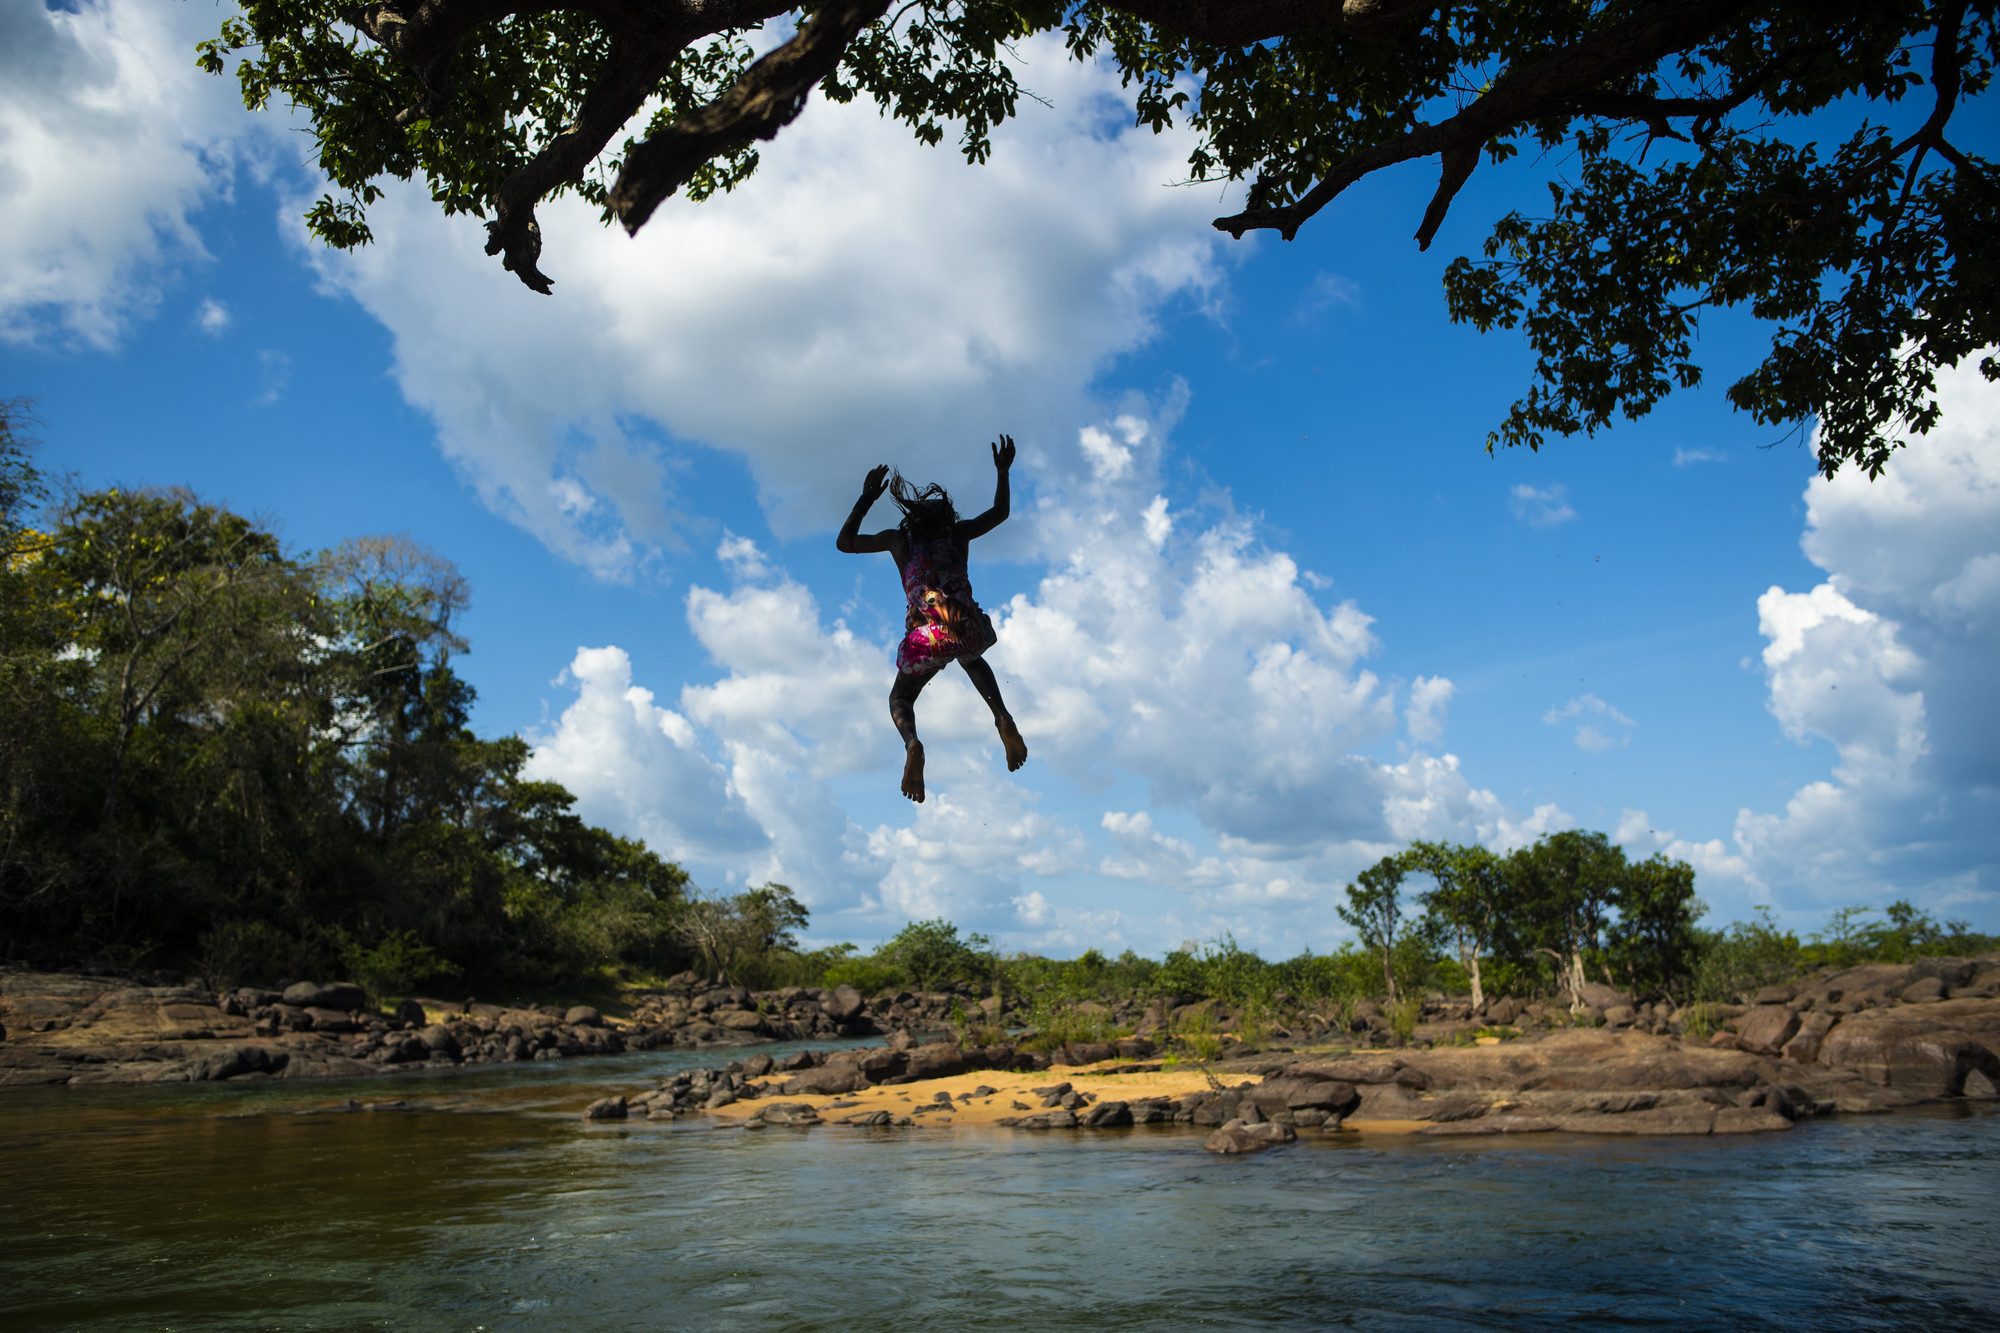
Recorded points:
(111, 143)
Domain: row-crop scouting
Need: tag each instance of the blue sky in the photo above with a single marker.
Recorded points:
(1267, 608)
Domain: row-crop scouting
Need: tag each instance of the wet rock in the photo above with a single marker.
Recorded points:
(606, 1108)
(1107, 1115)
(869, 1119)
(1056, 1119)
(756, 1066)
(239, 1061)
(794, 1114)
(1906, 1051)
(1235, 1137)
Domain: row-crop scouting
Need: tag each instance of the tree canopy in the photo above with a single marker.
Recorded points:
(1698, 154)
(220, 755)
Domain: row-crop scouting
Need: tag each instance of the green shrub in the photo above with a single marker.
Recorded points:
(397, 963)
(1403, 1017)
(870, 976)
(1059, 1025)
(1698, 1023)
(1747, 955)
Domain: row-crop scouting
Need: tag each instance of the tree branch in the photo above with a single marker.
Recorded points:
(629, 77)
(1561, 81)
(763, 100)
(1250, 21)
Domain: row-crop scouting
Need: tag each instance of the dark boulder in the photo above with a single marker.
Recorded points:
(606, 1108)
(1107, 1115)
(1057, 1119)
(341, 995)
(883, 1065)
(843, 1004)
(787, 1113)
(756, 1066)
(410, 1013)
(937, 1060)
(238, 1061)
(332, 1020)
(583, 1015)
(439, 1040)
(1236, 1137)
(826, 1081)
(1289, 1092)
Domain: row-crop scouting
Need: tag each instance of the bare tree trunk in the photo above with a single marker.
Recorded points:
(1470, 956)
(1389, 975)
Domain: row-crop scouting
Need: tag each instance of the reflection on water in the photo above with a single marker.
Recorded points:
(257, 1207)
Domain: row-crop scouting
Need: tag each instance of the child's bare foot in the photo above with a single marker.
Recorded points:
(913, 771)
(1010, 736)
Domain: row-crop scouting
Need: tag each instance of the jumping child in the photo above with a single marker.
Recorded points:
(944, 624)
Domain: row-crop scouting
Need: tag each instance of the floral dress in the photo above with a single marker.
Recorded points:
(944, 624)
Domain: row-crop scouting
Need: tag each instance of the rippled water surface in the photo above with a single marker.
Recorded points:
(488, 1204)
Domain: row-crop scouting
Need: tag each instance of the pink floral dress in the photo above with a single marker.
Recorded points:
(944, 624)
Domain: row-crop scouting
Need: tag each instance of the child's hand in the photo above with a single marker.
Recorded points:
(875, 482)
(1003, 453)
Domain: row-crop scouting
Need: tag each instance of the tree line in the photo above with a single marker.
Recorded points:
(221, 756)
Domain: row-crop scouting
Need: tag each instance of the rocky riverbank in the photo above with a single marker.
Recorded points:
(60, 1027)
(1863, 1039)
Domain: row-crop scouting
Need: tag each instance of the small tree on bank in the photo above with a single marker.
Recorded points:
(1466, 902)
(1374, 909)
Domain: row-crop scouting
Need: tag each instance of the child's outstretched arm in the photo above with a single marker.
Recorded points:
(1003, 462)
(850, 539)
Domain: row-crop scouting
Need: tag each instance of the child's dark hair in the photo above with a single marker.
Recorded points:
(927, 513)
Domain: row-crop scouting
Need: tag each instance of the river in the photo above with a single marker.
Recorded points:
(487, 1204)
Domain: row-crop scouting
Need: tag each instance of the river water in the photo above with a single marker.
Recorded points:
(487, 1204)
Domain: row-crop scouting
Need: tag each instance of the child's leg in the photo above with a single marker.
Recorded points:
(903, 712)
(989, 689)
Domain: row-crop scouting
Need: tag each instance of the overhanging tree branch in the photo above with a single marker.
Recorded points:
(1559, 82)
(766, 98)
